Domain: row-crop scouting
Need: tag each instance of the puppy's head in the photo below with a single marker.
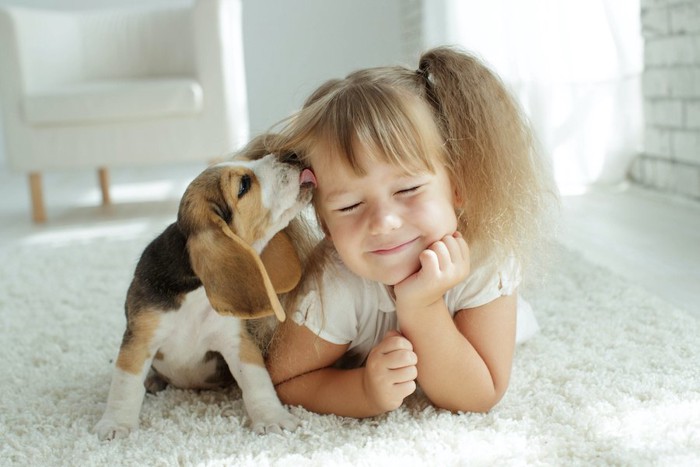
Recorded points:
(231, 213)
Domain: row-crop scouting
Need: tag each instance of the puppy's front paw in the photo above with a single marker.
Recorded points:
(108, 429)
(274, 420)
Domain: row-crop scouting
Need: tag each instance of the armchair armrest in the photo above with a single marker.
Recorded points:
(220, 64)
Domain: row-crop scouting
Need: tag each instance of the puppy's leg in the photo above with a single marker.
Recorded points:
(266, 412)
(127, 389)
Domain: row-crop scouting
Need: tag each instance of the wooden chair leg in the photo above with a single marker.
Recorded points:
(103, 175)
(35, 191)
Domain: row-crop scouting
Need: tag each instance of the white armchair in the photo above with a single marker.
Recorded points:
(136, 86)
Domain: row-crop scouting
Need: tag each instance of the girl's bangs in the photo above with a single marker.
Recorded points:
(387, 126)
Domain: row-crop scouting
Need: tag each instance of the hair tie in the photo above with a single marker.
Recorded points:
(425, 75)
(424, 72)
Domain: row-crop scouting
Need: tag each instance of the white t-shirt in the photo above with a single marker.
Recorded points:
(356, 311)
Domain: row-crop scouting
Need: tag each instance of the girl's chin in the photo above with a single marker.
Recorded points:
(397, 276)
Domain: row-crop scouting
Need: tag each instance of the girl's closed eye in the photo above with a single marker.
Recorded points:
(408, 191)
(349, 208)
(403, 192)
(412, 184)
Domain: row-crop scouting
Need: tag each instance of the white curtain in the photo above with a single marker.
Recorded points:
(576, 67)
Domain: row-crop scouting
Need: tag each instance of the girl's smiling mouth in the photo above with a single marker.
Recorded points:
(390, 250)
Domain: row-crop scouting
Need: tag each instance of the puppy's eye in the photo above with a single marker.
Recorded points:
(244, 185)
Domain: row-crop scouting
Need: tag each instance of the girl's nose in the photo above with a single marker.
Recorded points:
(383, 220)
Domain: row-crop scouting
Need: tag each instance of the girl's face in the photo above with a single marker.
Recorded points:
(380, 222)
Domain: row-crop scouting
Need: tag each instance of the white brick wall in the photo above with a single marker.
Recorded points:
(671, 86)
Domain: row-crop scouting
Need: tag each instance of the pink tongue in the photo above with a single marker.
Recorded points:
(307, 176)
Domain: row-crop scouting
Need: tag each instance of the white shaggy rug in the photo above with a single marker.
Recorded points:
(612, 379)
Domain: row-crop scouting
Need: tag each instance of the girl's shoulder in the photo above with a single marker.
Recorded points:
(491, 276)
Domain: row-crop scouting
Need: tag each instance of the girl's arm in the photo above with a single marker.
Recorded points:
(300, 362)
(463, 364)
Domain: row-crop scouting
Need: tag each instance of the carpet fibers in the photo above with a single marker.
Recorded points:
(613, 378)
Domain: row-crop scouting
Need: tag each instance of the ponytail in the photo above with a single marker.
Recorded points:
(490, 150)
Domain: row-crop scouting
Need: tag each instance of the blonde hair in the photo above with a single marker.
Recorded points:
(454, 111)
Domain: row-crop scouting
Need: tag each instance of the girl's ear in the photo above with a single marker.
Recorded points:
(457, 197)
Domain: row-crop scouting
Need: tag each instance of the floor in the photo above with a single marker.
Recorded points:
(651, 238)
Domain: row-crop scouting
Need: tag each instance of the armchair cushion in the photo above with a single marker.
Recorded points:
(120, 86)
(113, 100)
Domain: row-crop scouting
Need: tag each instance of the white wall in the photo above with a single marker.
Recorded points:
(292, 46)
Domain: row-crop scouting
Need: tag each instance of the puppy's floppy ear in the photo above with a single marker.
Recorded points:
(281, 263)
(233, 274)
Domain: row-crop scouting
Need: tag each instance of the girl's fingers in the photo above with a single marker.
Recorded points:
(449, 251)
(404, 375)
(392, 333)
(393, 341)
(401, 359)
(442, 254)
(429, 261)
(457, 247)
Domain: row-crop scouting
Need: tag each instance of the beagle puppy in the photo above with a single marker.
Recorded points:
(223, 261)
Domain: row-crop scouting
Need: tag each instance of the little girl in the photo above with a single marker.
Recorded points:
(430, 193)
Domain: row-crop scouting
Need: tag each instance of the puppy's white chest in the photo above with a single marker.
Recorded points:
(190, 335)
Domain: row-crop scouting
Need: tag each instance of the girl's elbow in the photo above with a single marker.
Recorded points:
(288, 395)
(485, 405)
(471, 406)
(287, 399)
(482, 406)
(475, 403)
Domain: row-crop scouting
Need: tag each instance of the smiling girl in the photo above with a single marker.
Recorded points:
(430, 194)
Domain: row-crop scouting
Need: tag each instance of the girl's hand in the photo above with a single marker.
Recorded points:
(390, 372)
(443, 265)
